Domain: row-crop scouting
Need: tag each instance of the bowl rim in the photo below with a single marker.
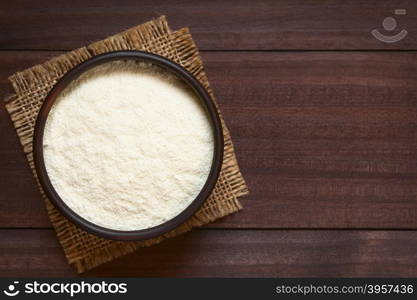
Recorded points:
(146, 233)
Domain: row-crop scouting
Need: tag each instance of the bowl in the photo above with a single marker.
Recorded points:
(141, 234)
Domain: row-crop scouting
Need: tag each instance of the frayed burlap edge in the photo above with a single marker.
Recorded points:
(83, 250)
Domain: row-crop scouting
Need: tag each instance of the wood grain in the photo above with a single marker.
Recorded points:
(216, 25)
(325, 140)
(228, 253)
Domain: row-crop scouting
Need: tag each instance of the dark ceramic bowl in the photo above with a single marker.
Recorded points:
(135, 234)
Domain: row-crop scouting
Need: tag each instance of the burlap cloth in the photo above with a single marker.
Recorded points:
(83, 250)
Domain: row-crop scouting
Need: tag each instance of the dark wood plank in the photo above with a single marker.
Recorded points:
(240, 24)
(26, 253)
(324, 139)
(228, 253)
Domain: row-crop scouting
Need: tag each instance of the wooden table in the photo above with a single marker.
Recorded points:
(323, 117)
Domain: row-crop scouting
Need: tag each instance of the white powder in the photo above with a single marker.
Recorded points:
(128, 146)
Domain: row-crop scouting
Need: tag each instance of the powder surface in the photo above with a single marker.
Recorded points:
(128, 145)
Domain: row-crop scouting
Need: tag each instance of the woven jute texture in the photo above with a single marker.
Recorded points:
(83, 250)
